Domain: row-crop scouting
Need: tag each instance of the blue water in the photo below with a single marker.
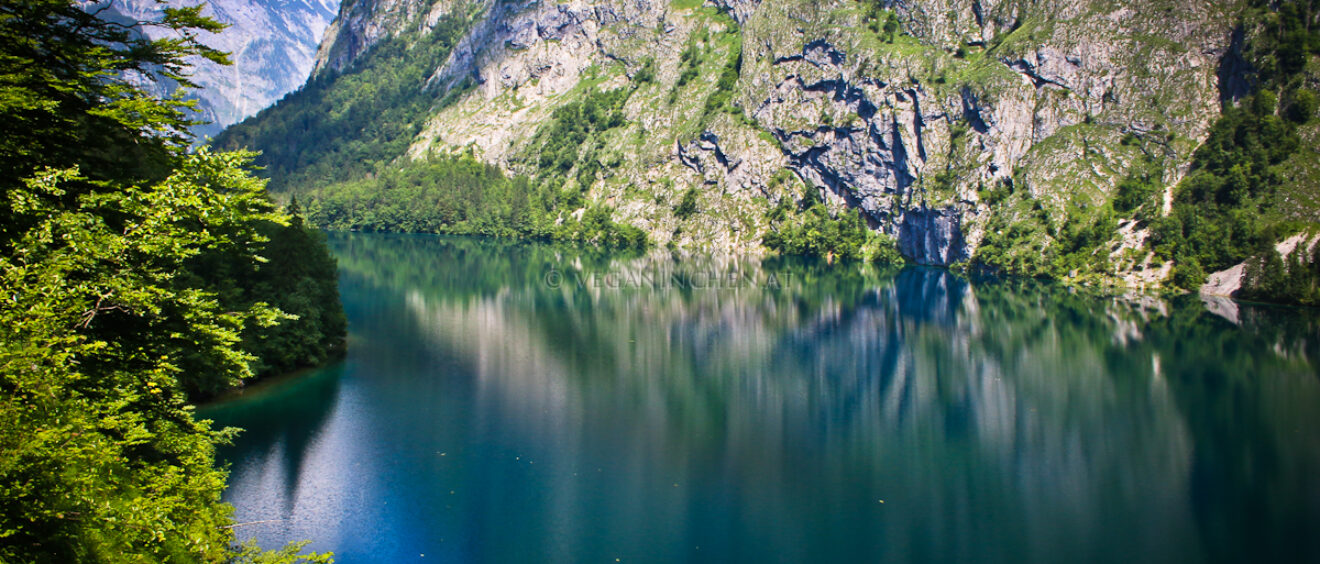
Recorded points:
(507, 402)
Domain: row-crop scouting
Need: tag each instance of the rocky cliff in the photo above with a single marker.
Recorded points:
(272, 44)
(947, 124)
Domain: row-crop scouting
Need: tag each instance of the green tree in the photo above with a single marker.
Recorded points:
(124, 262)
(62, 98)
(1222, 207)
(300, 284)
(103, 458)
(808, 229)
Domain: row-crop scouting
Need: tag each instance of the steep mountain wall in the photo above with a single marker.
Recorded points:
(272, 44)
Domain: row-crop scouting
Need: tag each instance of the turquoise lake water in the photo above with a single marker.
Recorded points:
(521, 402)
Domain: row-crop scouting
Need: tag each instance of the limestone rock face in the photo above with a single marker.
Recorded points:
(272, 44)
(1046, 106)
(931, 236)
(1041, 99)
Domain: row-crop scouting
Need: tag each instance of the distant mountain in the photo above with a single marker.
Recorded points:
(271, 42)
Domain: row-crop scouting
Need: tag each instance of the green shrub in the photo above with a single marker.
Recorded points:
(597, 227)
(1303, 106)
(687, 205)
(646, 74)
(1136, 190)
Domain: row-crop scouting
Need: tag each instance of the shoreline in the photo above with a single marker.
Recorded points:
(264, 385)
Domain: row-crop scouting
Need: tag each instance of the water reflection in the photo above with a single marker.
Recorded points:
(492, 411)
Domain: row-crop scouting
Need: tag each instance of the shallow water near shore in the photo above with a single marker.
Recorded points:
(522, 402)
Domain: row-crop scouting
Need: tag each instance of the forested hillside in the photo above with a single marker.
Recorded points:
(337, 142)
(139, 278)
(1252, 183)
(1256, 179)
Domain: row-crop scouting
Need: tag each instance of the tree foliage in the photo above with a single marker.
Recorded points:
(808, 229)
(137, 278)
(61, 100)
(1027, 244)
(880, 20)
(1271, 278)
(459, 195)
(103, 458)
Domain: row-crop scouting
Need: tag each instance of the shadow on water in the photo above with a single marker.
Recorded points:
(282, 420)
(520, 401)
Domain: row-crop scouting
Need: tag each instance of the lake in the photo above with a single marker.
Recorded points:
(524, 402)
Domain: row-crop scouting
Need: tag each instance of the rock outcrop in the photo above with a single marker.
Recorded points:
(1227, 283)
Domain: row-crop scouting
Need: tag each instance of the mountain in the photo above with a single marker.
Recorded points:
(1059, 138)
(272, 44)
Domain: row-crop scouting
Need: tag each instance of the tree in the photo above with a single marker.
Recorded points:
(123, 260)
(104, 460)
(65, 99)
